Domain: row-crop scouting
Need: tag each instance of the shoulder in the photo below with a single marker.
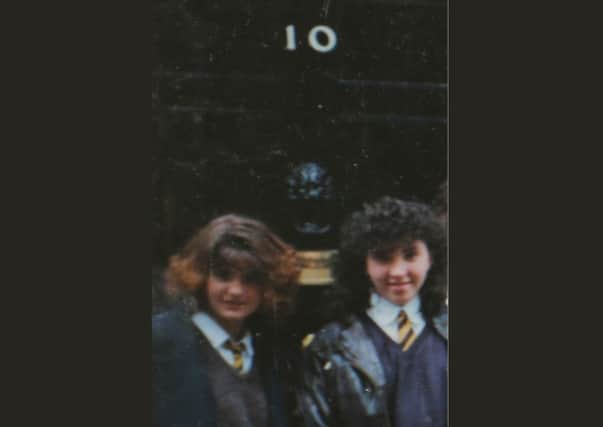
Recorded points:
(168, 321)
(171, 329)
(329, 338)
(441, 323)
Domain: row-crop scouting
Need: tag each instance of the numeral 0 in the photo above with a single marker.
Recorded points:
(313, 38)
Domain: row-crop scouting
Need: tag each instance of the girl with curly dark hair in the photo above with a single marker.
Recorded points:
(220, 365)
(382, 361)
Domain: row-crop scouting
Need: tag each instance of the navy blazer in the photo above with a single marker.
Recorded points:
(182, 393)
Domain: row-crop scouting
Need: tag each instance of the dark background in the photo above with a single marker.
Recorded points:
(234, 112)
(518, 97)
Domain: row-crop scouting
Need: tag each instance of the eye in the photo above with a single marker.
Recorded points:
(410, 252)
(255, 278)
(381, 255)
(222, 273)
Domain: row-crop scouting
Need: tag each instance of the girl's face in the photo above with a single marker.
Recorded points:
(399, 274)
(233, 298)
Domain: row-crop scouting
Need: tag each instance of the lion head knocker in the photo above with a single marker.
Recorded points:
(310, 188)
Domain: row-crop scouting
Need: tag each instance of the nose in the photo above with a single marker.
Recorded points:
(398, 267)
(235, 287)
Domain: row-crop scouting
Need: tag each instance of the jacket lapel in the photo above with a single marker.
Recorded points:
(361, 352)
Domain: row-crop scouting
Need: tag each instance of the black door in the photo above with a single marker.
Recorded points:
(294, 112)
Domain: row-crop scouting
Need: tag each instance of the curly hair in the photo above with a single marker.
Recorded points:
(235, 243)
(385, 224)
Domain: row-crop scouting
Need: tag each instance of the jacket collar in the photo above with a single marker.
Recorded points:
(441, 324)
(361, 352)
(359, 349)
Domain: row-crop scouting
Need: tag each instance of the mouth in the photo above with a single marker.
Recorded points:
(399, 285)
(233, 305)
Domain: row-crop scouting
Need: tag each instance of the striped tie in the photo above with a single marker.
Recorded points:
(237, 349)
(405, 332)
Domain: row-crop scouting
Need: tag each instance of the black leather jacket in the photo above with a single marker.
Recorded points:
(343, 382)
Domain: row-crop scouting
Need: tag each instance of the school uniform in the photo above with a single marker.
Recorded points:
(358, 373)
(195, 382)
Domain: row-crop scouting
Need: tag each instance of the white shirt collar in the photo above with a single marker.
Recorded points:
(216, 335)
(385, 314)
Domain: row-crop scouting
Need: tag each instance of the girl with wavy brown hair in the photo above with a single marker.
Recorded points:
(222, 366)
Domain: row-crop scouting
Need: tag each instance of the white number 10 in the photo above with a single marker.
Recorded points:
(313, 38)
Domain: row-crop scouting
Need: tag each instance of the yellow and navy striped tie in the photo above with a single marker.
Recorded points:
(237, 349)
(405, 332)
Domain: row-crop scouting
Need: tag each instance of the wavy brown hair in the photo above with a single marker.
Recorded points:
(235, 243)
